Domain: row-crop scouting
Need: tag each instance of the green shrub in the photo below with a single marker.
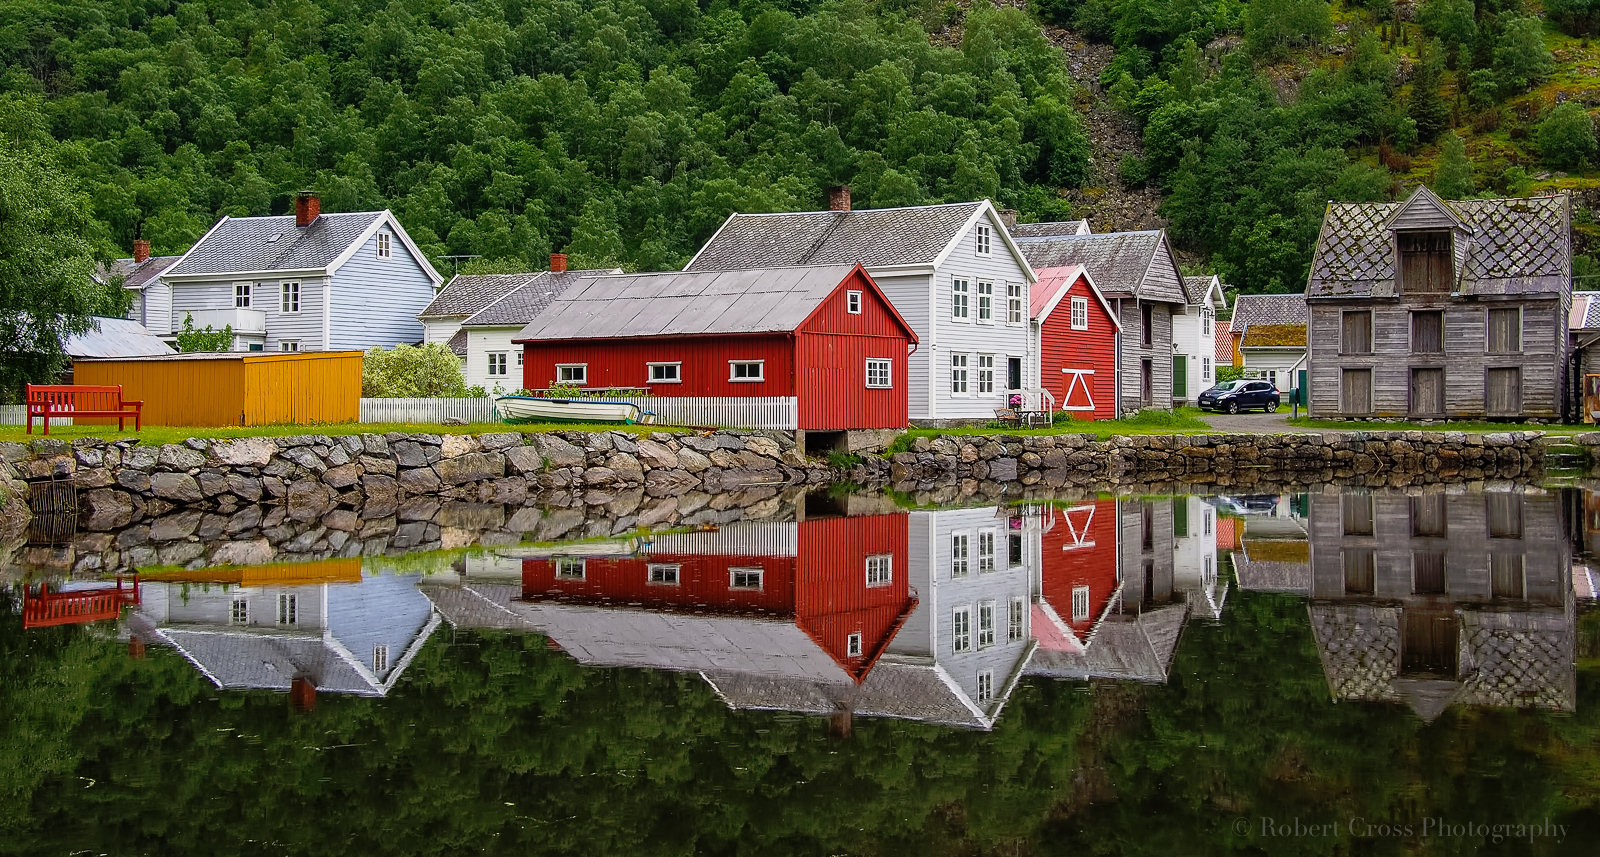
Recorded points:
(408, 372)
(1566, 136)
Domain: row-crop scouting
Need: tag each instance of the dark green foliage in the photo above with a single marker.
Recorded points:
(624, 131)
(1452, 22)
(1566, 136)
(1426, 107)
(1575, 17)
(191, 340)
(1520, 57)
(1453, 180)
(1271, 27)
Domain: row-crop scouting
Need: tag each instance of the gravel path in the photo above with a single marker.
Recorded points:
(1252, 422)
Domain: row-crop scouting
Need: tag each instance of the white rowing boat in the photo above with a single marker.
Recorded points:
(533, 409)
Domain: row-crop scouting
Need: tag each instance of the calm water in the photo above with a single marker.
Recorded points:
(1314, 673)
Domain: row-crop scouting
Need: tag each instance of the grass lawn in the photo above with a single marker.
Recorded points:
(1474, 427)
(177, 434)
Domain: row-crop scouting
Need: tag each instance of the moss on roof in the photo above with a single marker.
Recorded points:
(1275, 336)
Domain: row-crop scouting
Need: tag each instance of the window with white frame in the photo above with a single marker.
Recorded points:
(746, 370)
(1205, 322)
(879, 373)
(239, 611)
(880, 569)
(1080, 603)
(744, 578)
(961, 629)
(958, 554)
(383, 245)
(958, 374)
(852, 302)
(1205, 368)
(288, 609)
(288, 345)
(1209, 516)
(519, 359)
(289, 297)
(985, 624)
(1016, 619)
(985, 302)
(497, 364)
(665, 373)
(1014, 306)
(380, 659)
(241, 295)
(571, 568)
(663, 574)
(986, 373)
(1080, 313)
(572, 373)
(986, 540)
(958, 299)
(984, 236)
(852, 645)
(985, 687)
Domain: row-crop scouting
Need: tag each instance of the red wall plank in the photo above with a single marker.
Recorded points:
(1093, 349)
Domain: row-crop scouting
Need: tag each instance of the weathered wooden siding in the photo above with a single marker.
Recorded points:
(1146, 545)
(1465, 360)
(1095, 350)
(1163, 281)
(1134, 352)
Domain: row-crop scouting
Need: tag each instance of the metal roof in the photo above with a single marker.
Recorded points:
(687, 303)
(1118, 261)
(873, 237)
(522, 304)
(1508, 246)
(116, 337)
(1267, 309)
(239, 244)
(465, 294)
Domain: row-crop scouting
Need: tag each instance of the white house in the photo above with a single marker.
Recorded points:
(303, 282)
(151, 304)
(1270, 334)
(1194, 560)
(1194, 343)
(952, 271)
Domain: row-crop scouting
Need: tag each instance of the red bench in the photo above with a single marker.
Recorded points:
(79, 400)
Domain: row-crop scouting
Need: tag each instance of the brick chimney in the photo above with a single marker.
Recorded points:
(141, 250)
(839, 198)
(306, 208)
(558, 262)
(1008, 218)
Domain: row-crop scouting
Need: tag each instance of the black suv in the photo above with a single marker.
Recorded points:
(1236, 396)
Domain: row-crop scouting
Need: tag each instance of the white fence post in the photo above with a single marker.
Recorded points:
(747, 412)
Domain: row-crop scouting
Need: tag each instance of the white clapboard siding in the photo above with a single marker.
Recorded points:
(428, 410)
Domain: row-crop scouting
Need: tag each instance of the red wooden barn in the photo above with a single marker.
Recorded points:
(1078, 573)
(843, 584)
(824, 335)
(1075, 340)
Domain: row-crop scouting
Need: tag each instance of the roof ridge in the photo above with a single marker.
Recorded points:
(854, 210)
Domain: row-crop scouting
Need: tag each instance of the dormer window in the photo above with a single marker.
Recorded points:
(1425, 263)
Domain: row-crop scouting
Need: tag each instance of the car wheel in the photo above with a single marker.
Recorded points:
(1272, 406)
(1233, 407)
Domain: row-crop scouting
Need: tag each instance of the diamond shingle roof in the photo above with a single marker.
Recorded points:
(1511, 246)
(1267, 309)
(1057, 229)
(466, 294)
(873, 237)
(1586, 310)
(136, 274)
(523, 303)
(240, 244)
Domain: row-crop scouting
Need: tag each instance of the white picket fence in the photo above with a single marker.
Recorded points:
(427, 410)
(750, 412)
(17, 415)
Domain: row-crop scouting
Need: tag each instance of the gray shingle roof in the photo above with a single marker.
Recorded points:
(1267, 309)
(1514, 246)
(1033, 231)
(245, 244)
(898, 690)
(1197, 287)
(1137, 647)
(1585, 311)
(117, 337)
(1117, 261)
(465, 294)
(881, 236)
(687, 303)
(136, 275)
(458, 344)
(239, 660)
(527, 301)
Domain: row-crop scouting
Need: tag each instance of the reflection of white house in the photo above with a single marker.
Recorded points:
(1194, 332)
(353, 634)
(1274, 554)
(1194, 556)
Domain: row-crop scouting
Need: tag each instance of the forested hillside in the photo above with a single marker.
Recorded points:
(624, 131)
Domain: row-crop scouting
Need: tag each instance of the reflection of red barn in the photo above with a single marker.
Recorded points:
(1078, 570)
(1075, 336)
(842, 581)
(1228, 533)
(76, 606)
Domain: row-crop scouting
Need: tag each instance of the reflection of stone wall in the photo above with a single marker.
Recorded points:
(1360, 648)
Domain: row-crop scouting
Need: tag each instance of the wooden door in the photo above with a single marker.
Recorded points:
(1355, 394)
(1180, 376)
(1146, 383)
(1502, 392)
(1427, 392)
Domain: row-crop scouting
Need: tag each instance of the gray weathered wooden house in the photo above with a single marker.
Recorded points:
(1436, 309)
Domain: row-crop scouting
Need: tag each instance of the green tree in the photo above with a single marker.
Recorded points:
(48, 254)
(1453, 179)
(191, 340)
(1271, 27)
(1520, 57)
(1566, 136)
(1575, 17)
(1426, 107)
(407, 372)
(1452, 22)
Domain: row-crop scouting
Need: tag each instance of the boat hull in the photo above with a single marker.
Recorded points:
(531, 409)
